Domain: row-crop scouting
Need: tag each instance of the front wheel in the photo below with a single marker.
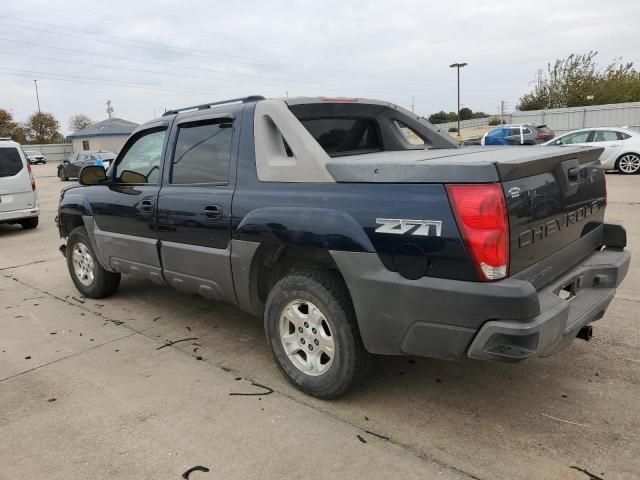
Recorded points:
(87, 274)
(62, 176)
(628, 164)
(311, 328)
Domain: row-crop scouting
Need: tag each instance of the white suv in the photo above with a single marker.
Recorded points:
(18, 198)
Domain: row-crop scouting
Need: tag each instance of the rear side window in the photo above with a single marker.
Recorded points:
(10, 162)
(623, 136)
(514, 131)
(203, 153)
(344, 136)
(605, 136)
(577, 137)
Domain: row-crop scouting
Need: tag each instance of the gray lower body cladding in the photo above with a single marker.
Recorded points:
(507, 320)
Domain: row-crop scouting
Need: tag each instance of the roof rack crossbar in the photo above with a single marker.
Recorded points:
(204, 106)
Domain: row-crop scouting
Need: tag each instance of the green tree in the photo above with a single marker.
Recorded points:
(466, 113)
(439, 117)
(578, 80)
(7, 125)
(42, 128)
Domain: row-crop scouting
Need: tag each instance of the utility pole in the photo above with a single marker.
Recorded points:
(413, 103)
(458, 66)
(37, 96)
(502, 104)
(109, 108)
(539, 80)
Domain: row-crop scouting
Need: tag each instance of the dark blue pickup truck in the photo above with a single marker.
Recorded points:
(353, 228)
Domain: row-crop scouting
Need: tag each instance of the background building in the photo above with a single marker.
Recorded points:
(109, 134)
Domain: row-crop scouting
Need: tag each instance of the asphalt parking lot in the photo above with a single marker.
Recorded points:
(88, 389)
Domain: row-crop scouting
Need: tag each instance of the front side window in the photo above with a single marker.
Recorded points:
(142, 159)
(10, 162)
(573, 138)
(203, 153)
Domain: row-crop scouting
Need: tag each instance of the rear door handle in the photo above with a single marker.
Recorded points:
(212, 211)
(146, 206)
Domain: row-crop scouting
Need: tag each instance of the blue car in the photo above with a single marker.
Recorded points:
(524, 134)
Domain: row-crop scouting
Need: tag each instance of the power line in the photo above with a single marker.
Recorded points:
(99, 81)
(179, 51)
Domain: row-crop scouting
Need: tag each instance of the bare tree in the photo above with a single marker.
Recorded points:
(79, 122)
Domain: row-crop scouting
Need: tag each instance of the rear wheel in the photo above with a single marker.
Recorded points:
(628, 164)
(29, 223)
(87, 274)
(311, 328)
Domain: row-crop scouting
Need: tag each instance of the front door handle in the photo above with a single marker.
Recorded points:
(573, 173)
(146, 206)
(212, 211)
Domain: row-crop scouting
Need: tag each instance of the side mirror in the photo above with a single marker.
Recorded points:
(128, 176)
(92, 175)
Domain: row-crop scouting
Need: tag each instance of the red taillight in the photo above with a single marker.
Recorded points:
(481, 214)
(542, 135)
(33, 182)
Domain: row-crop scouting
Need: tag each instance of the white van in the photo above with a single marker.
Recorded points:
(18, 198)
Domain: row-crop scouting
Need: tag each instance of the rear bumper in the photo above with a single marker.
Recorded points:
(508, 320)
(19, 214)
(589, 289)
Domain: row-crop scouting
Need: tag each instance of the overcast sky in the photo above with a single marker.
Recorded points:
(146, 55)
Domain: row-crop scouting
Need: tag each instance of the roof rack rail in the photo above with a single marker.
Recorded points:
(6, 139)
(204, 106)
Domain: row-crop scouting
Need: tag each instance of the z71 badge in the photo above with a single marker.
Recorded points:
(400, 226)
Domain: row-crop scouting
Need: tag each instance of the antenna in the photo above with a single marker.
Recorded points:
(109, 108)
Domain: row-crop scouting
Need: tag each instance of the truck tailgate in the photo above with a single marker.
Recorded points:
(552, 202)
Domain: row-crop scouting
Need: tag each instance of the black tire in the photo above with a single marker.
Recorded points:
(62, 176)
(104, 283)
(326, 290)
(29, 223)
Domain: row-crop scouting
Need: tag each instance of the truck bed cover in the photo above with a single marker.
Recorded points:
(481, 164)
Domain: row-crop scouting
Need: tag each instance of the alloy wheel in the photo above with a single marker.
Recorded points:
(307, 337)
(629, 163)
(83, 265)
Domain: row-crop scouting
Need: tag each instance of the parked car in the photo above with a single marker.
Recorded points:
(18, 197)
(524, 134)
(34, 157)
(621, 146)
(350, 237)
(71, 166)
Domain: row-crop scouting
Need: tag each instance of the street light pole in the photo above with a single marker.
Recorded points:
(37, 96)
(458, 66)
